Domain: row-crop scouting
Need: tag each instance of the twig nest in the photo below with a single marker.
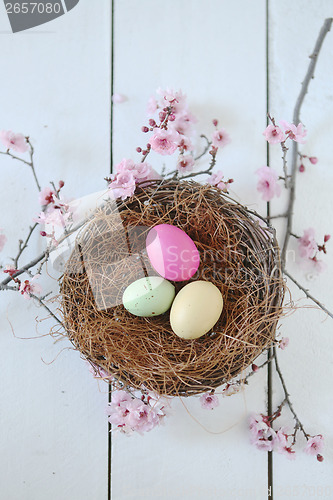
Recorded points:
(239, 255)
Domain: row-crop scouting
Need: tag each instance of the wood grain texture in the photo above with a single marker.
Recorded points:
(55, 86)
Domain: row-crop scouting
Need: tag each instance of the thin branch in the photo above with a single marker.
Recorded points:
(208, 145)
(7, 153)
(47, 308)
(175, 172)
(280, 216)
(296, 119)
(29, 163)
(268, 360)
(31, 153)
(23, 245)
(308, 295)
(287, 395)
(7, 287)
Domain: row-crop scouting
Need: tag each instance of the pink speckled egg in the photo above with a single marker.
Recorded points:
(172, 252)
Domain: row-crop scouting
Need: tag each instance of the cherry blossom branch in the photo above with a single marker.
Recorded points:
(268, 360)
(208, 171)
(23, 245)
(32, 166)
(42, 303)
(308, 295)
(29, 163)
(296, 119)
(298, 423)
(284, 155)
(208, 145)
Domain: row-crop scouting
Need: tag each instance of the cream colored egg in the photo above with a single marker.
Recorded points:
(196, 309)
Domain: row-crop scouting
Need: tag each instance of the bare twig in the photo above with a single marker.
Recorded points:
(284, 155)
(29, 163)
(309, 296)
(208, 145)
(23, 245)
(42, 303)
(31, 153)
(268, 360)
(287, 395)
(296, 119)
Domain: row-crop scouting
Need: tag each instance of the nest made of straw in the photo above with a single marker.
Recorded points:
(238, 253)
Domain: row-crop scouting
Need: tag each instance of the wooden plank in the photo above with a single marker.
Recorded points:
(55, 86)
(307, 363)
(212, 52)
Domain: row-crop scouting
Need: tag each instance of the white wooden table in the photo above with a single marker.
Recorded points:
(56, 85)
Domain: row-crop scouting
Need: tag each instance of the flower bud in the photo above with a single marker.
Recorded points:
(320, 458)
(42, 233)
(162, 116)
(313, 160)
(152, 122)
(61, 184)
(215, 122)
(301, 168)
(172, 117)
(326, 238)
(145, 129)
(138, 150)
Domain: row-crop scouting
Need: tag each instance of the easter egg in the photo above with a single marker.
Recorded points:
(149, 296)
(172, 252)
(196, 309)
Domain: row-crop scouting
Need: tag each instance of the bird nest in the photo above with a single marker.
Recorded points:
(238, 253)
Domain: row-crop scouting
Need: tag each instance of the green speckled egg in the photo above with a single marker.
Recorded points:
(149, 296)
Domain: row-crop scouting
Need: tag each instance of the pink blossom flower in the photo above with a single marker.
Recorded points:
(142, 417)
(125, 165)
(307, 245)
(145, 172)
(118, 98)
(273, 134)
(231, 389)
(209, 401)
(171, 97)
(3, 239)
(216, 180)
(152, 106)
(183, 123)
(16, 142)
(30, 287)
(99, 372)
(315, 445)
(185, 163)
(262, 434)
(284, 342)
(11, 270)
(119, 397)
(123, 185)
(297, 134)
(185, 144)
(46, 196)
(54, 217)
(268, 183)
(318, 266)
(164, 142)
(131, 414)
(281, 444)
(220, 138)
